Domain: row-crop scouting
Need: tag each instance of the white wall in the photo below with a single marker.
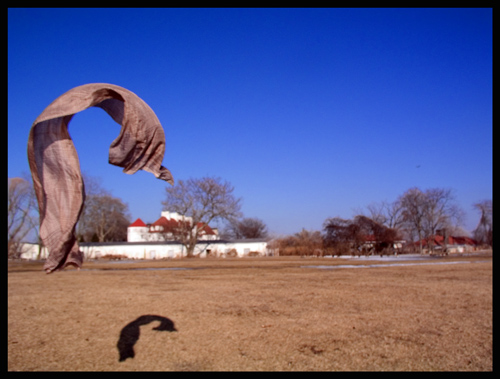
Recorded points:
(137, 233)
(162, 250)
(30, 251)
(156, 250)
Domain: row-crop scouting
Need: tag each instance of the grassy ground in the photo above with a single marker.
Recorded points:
(251, 314)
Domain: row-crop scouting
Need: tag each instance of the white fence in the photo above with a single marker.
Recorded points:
(157, 250)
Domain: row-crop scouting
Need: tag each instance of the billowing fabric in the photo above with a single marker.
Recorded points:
(55, 167)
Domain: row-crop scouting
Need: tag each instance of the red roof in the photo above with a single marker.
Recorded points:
(369, 238)
(205, 229)
(452, 240)
(168, 225)
(161, 221)
(138, 222)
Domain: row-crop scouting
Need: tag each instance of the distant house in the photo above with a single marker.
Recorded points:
(163, 229)
(370, 243)
(137, 231)
(453, 244)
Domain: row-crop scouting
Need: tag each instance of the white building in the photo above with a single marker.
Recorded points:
(156, 241)
(162, 229)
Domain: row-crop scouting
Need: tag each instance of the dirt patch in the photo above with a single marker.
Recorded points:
(251, 314)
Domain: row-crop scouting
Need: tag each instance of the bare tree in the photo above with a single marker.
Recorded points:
(361, 235)
(388, 214)
(412, 203)
(203, 201)
(303, 243)
(108, 218)
(484, 230)
(21, 213)
(339, 235)
(441, 213)
(382, 238)
(427, 212)
(247, 228)
(308, 242)
(104, 217)
(283, 246)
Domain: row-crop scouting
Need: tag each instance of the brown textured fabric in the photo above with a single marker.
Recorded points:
(56, 170)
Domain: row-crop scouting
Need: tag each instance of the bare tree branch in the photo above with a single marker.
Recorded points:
(21, 218)
(203, 200)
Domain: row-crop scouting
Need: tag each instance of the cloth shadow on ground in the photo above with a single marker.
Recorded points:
(131, 332)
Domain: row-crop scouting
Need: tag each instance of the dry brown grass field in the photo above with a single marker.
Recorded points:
(250, 314)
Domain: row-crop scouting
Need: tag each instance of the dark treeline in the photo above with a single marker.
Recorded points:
(403, 226)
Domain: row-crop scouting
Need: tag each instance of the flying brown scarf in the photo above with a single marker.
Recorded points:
(55, 168)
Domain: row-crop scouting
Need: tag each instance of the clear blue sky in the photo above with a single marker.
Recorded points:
(308, 113)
